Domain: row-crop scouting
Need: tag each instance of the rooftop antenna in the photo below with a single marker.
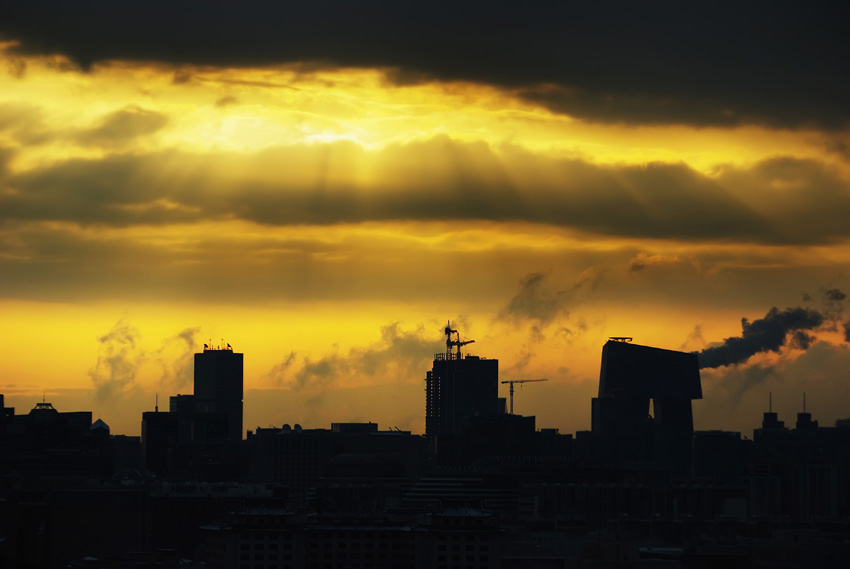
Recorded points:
(156, 404)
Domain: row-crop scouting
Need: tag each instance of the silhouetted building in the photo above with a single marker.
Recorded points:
(297, 461)
(184, 407)
(458, 389)
(218, 394)
(630, 377)
(45, 426)
(159, 434)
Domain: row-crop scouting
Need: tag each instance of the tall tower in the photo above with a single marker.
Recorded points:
(218, 394)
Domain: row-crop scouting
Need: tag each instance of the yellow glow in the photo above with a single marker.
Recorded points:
(326, 288)
(246, 110)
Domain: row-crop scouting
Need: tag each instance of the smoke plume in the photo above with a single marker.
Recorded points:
(118, 361)
(765, 334)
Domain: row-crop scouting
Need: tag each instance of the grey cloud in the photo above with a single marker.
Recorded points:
(534, 302)
(226, 101)
(122, 125)
(735, 383)
(25, 123)
(820, 373)
(779, 64)
(834, 295)
(120, 357)
(399, 353)
(17, 67)
(320, 372)
(762, 335)
(118, 361)
(695, 337)
(177, 358)
(279, 371)
(644, 260)
(830, 304)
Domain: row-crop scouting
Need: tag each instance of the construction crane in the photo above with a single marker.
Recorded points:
(450, 342)
(513, 381)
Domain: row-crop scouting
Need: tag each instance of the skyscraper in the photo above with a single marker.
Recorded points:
(630, 377)
(218, 394)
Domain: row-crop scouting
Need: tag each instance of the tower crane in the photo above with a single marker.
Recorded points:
(449, 342)
(512, 382)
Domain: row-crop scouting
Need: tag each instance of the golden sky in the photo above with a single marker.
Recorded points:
(327, 220)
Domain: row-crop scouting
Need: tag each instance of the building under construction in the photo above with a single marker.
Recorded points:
(459, 388)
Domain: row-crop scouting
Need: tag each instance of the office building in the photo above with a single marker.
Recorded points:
(630, 378)
(218, 394)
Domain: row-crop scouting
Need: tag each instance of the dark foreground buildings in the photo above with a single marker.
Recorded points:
(481, 488)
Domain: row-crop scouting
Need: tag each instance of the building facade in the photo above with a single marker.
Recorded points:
(218, 394)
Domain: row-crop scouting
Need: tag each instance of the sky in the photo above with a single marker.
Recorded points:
(325, 185)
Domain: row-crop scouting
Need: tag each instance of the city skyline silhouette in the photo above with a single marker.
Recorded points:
(322, 186)
(545, 178)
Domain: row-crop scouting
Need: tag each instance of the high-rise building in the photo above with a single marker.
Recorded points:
(159, 433)
(631, 377)
(458, 389)
(184, 407)
(218, 394)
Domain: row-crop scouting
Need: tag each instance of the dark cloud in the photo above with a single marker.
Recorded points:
(801, 340)
(835, 295)
(415, 182)
(780, 64)
(765, 334)
(830, 304)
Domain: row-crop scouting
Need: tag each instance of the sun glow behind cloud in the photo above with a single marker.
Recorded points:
(302, 211)
(248, 110)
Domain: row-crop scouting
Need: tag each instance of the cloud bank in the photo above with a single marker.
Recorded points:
(778, 64)
(414, 182)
